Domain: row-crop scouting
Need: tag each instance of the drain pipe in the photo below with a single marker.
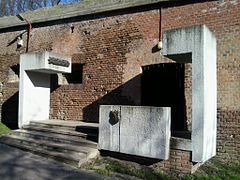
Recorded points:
(159, 45)
(29, 29)
(29, 33)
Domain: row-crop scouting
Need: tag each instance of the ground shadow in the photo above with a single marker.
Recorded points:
(10, 112)
(138, 159)
(90, 131)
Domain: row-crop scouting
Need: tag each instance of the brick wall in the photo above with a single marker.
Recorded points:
(178, 163)
(9, 92)
(113, 49)
(103, 44)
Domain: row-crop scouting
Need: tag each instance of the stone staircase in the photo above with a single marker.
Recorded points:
(71, 142)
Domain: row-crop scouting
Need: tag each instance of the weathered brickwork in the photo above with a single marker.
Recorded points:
(114, 48)
(178, 163)
(103, 47)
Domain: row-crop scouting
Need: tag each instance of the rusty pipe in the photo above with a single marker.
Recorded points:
(29, 32)
(29, 29)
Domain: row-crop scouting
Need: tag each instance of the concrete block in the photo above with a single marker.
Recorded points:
(197, 44)
(141, 131)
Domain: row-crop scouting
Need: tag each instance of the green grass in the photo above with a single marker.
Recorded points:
(213, 170)
(143, 173)
(3, 129)
(103, 172)
(217, 170)
(111, 166)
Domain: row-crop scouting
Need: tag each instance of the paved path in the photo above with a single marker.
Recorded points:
(19, 165)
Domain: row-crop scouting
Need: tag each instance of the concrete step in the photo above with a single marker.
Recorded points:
(64, 141)
(67, 132)
(88, 130)
(70, 125)
(48, 145)
(67, 153)
(52, 126)
(55, 137)
(71, 159)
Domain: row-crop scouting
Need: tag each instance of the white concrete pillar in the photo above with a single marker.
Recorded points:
(197, 44)
(34, 85)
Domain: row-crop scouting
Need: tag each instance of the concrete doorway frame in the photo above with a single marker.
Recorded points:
(197, 45)
(34, 85)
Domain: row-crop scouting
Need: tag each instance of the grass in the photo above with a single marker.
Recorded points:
(213, 170)
(217, 170)
(109, 167)
(3, 129)
(143, 173)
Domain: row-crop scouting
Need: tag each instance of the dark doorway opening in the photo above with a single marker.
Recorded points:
(163, 86)
(10, 112)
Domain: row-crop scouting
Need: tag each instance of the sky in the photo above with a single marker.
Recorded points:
(68, 1)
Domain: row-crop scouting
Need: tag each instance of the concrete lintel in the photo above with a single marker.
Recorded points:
(39, 62)
(200, 43)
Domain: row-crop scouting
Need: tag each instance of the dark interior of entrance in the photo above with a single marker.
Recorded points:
(163, 86)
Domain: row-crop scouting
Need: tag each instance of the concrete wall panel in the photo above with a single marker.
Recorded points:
(141, 131)
(147, 130)
(108, 132)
